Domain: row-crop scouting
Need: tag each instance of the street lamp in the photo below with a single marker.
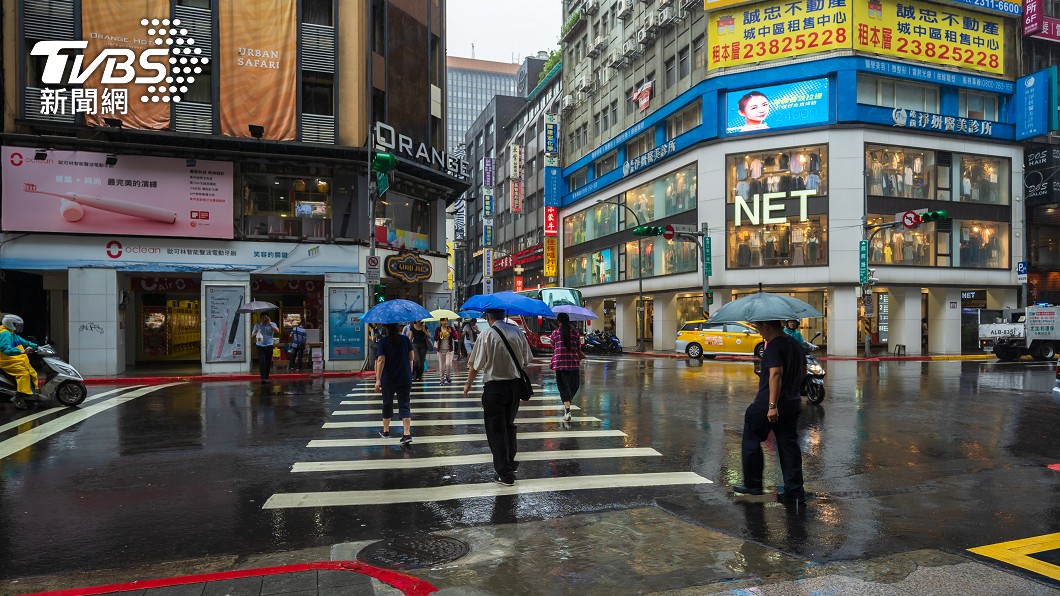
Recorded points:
(640, 275)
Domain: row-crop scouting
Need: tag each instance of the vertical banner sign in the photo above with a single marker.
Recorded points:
(460, 220)
(259, 68)
(551, 221)
(1032, 17)
(487, 262)
(108, 24)
(487, 234)
(863, 260)
(518, 283)
(516, 165)
(552, 186)
(1033, 105)
(345, 330)
(551, 256)
(487, 172)
(487, 204)
(516, 192)
(225, 336)
(551, 133)
(487, 286)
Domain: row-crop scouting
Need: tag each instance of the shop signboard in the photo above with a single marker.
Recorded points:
(910, 30)
(552, 186)
(551, 256)
(1033, 15)
(225, 337)
(487, 234)
(1034, 109)
(515, 190)
(345, 330)
(1041, 164)
(487, 204)
(551, 134)
(551, 221)
(502, 263)
(487, 263)
(487, 172)
(973, 299)
(804, 103)
(515, 166)
(77, 192)
(460, 220)
(518, 283)
(408, 267)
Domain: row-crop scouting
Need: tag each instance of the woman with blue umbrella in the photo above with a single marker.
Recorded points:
(394, 361)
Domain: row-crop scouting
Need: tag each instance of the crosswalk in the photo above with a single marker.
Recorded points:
(462, 452)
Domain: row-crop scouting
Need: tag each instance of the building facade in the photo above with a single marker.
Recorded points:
(471, 84)
(177, 196)
(789, 137)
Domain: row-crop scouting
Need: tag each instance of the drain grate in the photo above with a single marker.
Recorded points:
(413, 551)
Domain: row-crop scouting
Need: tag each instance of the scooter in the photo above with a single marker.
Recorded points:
(63, 383)
(595, 343)
(612, 344)
(813, 383)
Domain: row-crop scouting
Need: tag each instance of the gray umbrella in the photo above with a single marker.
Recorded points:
(764, 306)
(256, 306)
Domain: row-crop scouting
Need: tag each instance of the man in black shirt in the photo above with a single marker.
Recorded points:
(775, 408)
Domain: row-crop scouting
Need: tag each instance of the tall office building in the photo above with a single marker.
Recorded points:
(471, 84)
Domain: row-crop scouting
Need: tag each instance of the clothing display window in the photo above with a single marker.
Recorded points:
(670, 194)
(982, 179)
(981, 244)
(901, 246)
(901, 172)
(781, 170)
(792, 244)
(592, 223)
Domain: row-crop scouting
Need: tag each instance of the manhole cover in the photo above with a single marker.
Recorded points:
(413, 551)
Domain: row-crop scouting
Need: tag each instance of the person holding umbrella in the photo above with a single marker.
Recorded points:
(566, 361)
(263, 334)
(393, 377)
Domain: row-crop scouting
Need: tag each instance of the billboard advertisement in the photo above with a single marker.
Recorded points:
(259, 68)
(345, 331)
(1035, 103)
(804, 103)
(77, 192)
(128, 25)
(225, 336)
(910, 30)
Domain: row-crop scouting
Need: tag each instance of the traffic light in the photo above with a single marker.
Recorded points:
(933, 216)
(380, 293)
(710, 297)
(649, 231)
(383, 162)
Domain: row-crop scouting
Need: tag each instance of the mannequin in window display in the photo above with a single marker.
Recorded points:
(813, 246)
(993, 248)
(877, 251)
(898, 244)
(649, 259)
(769, 251)
(798, 243)
(743, 251)
(756, 248)
(743, 189)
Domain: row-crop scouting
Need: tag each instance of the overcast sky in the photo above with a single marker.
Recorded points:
(501, 28)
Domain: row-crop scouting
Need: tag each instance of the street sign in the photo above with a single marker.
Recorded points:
(669, 233)
(1021, 272)
(382, 183)
(707, 268)
(371, 272)
(863, 254)
(674, 229)
(910, 219)
(870, 306)
(487, 285)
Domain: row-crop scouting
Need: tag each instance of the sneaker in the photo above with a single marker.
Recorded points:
(566, 416)
(406, 439)
(746, 490)
(515, 466)
(504, 481)
(384, 434)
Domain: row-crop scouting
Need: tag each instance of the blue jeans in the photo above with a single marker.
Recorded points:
(403, 396)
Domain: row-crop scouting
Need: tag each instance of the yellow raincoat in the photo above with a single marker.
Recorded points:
(15, 362)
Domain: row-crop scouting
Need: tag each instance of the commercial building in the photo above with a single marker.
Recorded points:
(138, 215)
(790, 128)
(471, 84)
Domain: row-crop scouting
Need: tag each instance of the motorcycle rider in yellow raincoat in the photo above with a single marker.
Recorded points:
(13, 358)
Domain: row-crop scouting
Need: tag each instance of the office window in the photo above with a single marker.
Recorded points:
(671, 72)
(317, 93)
(640, 145)
(684, 121)
(316, 12)
(684, 67)
(891, 93)
(699, 57)
(606, 164)
(596, 125)
(577, 179)
(981, 106)
(604, 120)
(629, 102)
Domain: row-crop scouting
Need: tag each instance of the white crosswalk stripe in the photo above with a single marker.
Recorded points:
(470, 491)
(456, 422)
(468, 438)
(461, 460)
(376, 411)
(441, 400)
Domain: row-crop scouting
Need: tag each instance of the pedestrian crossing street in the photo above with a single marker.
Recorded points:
(445, 408)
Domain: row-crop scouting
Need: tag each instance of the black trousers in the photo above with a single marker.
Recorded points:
(296, 357)
(568, 382)
(499, 406)
(756, 428)
(264, 361)
(419, 356)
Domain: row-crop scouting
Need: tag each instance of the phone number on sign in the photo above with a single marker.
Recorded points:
(802, 41)
(941, 51)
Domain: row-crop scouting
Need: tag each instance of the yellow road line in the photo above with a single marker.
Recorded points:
(1015, 552)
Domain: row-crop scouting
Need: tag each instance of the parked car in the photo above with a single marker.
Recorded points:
(700, 339)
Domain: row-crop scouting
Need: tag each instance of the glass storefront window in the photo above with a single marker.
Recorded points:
(903, 172)
(782, 170)
(286, 206)
(662, 257)
(592, 223)
(981, 244)
(667, 195)
(900, 246)
(689, 308)
(403, 222)
(590, 269)
(983, 179)
(794, 243)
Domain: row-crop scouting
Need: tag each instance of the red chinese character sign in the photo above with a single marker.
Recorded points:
(551, 221)
(516, 192)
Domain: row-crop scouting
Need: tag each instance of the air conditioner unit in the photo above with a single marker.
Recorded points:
(667, 16)
(643, 37)
(624, 8)
(601, 42)
(629, 48)
(585, 82)
(591, 6)
(567, 103)
(649, 22)
(593, 50)
(663, 3)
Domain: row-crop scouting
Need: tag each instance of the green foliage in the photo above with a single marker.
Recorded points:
(570, 23)
(554, 58)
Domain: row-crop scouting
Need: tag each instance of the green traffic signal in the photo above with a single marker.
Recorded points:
(649, 231)
(380, 293)
(383, 162)
(932, 216)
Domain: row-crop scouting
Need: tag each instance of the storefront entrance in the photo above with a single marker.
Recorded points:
(167, 319)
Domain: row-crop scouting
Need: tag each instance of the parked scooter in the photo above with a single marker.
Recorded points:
(612, 344)
(813, 383)
(63, 383)
(594, 343)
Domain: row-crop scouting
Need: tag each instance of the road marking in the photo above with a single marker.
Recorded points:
(523, 436)
(440, 400)
(32, 436)
(375, 411)
(1016, 552)
(50, 411)
(468, 491)
(461, 460)
(427, 391)
(599, 361)
(459, 422)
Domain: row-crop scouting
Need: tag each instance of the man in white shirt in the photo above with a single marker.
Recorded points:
(490, 357)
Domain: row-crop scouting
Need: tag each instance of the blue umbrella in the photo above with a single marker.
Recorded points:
(395, 311)
(470, 314)
(510, 302)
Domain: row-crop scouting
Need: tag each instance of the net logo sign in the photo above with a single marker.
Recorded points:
(167, 66)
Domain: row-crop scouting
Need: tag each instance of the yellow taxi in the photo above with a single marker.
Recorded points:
(701, 339)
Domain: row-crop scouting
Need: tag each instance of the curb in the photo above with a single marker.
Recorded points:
(157, 380)
(929, 358)
(407, 584)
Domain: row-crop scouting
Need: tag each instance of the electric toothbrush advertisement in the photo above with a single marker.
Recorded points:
(78, 192)
(225, 336)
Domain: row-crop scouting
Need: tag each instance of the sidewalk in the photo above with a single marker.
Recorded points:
(876, 357)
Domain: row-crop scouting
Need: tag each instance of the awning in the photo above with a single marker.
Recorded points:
(476, 280)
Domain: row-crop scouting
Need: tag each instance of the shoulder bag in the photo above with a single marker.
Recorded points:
(524, 390)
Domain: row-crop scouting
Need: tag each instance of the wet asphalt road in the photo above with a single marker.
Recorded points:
(901, 456)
